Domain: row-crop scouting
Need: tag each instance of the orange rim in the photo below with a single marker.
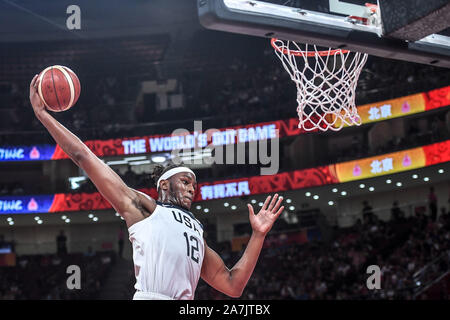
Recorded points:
(306, 53)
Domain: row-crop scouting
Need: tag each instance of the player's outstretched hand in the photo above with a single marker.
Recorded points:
(264, 220)
(36, 101)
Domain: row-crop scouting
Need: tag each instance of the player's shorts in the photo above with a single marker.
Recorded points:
(139, 295)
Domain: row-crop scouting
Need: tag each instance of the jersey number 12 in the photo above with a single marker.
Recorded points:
(191, 248)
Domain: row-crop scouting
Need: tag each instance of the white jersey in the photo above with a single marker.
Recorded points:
(168, 251)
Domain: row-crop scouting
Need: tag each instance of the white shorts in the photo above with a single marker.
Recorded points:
(139, 295)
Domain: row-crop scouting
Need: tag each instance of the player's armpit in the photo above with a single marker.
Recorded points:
(144, 203)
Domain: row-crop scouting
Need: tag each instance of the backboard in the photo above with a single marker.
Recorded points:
(348, 24)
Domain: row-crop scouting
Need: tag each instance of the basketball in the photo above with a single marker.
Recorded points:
(59, 88)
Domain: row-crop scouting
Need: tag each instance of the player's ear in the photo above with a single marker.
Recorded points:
(164, 185)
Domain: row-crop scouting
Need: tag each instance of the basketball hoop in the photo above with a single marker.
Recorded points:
(326, 82)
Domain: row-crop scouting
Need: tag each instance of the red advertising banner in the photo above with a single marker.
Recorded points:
(437, 98)
(208, 191)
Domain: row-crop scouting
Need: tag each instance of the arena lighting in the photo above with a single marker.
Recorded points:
(191, 158)
(371, 189)
(226, 204)
(308, 194)
(334, 190)
(343, 193)
(330, 203)
(135, 158)
(398, 184)
(415, 176)
(206, 210)
(115, 163)
(441, 170)
(426, 179)
(75, 182)
(138, 163)
(316, 197)
(233, 207)
(388, 181)
(158, 159)
(362, 185)
(199, 154)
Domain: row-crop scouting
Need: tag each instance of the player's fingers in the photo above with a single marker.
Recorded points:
(278, 212)
(250, 209)
(280, 200)
(272, 203)
(36, 81)
(264, 207)
(33, 82)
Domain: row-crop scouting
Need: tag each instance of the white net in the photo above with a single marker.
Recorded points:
(326, 83)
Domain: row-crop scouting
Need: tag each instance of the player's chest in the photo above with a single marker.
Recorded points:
(183, 236)
(183, 222)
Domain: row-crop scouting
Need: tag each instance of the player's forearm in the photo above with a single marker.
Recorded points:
(70, 143)
(243, 269)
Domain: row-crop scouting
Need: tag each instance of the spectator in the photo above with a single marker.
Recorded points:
(396, 213)
(89, 252)
(443, 212)
(61, 247)
(367, 212)
(432, 204)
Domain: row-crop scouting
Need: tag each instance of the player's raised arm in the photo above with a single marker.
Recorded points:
(131, 205)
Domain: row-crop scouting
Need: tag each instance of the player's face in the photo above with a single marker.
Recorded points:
(183, 187)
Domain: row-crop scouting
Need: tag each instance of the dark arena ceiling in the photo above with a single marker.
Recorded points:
(45, 20)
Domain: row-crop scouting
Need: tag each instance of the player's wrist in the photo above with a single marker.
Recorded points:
(259, 235)
(40, 113)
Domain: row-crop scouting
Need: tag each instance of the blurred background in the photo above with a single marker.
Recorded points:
(147, 68)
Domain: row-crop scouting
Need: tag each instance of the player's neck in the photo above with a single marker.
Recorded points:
(168, 202)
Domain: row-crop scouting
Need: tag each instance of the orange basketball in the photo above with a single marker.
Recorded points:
(59, 88)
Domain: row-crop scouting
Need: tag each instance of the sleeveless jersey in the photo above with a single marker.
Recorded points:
(168, 251)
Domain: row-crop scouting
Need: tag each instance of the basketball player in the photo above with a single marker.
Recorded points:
(169, 251)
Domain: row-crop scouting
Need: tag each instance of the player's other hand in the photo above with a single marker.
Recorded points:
(36, 101)
(264, 220)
